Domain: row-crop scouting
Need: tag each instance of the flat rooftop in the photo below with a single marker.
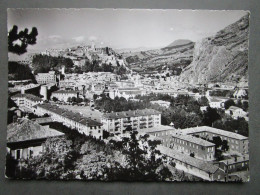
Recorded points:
(159, 128)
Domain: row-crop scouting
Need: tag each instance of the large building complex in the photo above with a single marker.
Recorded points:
(190, 145)
(70, 119)
(236, 142)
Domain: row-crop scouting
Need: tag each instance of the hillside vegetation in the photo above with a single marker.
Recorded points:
(178, 54)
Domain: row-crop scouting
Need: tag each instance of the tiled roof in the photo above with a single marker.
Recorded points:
(214, 131)
(234, 161)
(160, 102)
(77, 117)
(131, 113)
(193, 139)
(28, 96)
(200, 164)
(129, 89)
(26, 130)
(42, 120)
(234, 108)
(65, 91)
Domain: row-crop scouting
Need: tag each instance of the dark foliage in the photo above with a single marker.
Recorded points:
(210, 116)
(142, 160)
(17, 71)
(45, 63)
(239, 125)
(23, 37)
(229, 103)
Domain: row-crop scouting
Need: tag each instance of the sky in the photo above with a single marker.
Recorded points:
(118, 28)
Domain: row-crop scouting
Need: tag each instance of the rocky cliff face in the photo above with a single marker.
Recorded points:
(221, 58)
(176, 55)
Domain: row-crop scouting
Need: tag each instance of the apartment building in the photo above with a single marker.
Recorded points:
(72, 120)
(45, 78)
(64, 95)
(117, 122)
(26, 100)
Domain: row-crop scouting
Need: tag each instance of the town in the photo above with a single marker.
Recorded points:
(72, 99)
(92, 112)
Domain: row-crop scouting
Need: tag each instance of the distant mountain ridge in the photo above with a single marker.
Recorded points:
(178, 43)
(178, 54)
(221, 58)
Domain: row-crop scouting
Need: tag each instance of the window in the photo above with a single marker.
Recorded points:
(18, 154)
(30, 153)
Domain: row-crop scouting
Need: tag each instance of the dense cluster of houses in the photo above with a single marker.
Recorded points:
(192, 149)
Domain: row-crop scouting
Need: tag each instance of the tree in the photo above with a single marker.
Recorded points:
(245, 105)
(18, 71)
(225, 146)
(144, 161)
(217, 141)
(73, 99)
(55, 99)
(203, 101)
(229, 103)
(210, 116)
(19, 41)
(95, 96)
(56, 161)
(69, 99)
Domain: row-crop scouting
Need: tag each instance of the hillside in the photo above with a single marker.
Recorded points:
(178, 43)
(223, 57)
(178, 54)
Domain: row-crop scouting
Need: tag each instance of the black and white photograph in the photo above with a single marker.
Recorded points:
(128, 95)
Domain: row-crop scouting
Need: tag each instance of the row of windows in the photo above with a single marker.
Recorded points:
(234, 166)
(185, 143)
(222, 137)
(234, 147)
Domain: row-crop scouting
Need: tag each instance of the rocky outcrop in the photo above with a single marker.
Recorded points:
(221, 58)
